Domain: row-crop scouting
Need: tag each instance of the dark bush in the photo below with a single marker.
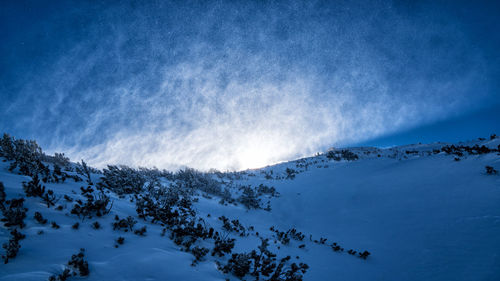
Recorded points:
(141, 231)
(263, 264)
(84, 170)
(3, 196)
(33, 188)
(239, 265)
(14, 213)
(39, 218)
(122, 180)
(364, 255)
(79, 264)
(249, 198)
(290, 173)
(199, 253)
(120, 240)
(96, 205)
(223, 245)
(12, 247)
(491, 171)
(124, 224)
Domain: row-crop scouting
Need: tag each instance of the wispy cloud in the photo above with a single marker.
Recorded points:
(238, 86)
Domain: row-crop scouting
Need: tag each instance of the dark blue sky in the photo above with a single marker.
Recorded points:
(236, 84)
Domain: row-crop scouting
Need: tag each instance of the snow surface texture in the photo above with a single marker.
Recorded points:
(422, 215)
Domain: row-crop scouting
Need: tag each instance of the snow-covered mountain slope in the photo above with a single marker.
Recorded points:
(422, 213)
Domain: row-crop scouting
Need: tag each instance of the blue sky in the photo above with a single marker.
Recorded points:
(238, 84)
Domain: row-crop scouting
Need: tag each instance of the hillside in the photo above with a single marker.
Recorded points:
(414, 212)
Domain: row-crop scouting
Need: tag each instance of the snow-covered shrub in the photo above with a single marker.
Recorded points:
(7, 149)
(331, 155)
(39, 218)
(3, 196)
(193, 179)
(281, 236)
(124, 224)
(263, 264)
(264, 189)
(12, 247)
(141, 231)
(96, 205)
(342, 154)
(290, 173)
(119, 241)
(491, 171)
(84, 170)
(233, 225)
(364, 255)
(61, 160)
(249, 198)
(336, 247)
(223, 245)
(238, 265)
(459, 150)
(284, 237)
(14, 213)
(96, 225)
(63, 276)
(34, 189)
(122, 180)
(349, 156)
(199, 253)
(77, 266)
(27, 156)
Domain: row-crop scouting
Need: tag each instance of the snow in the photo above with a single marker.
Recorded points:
(422, 216)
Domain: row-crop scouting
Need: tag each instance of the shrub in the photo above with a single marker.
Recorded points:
(122, 180)
(193, 179)
(96, 225)
(345, 154)
(7, 147)
(331, 155)
(14, 213)
(3, 196)
(290, 173)
(199, 253)
(124, 224)
(120, 240)
(364, 255)
(141, 231)
(491, 171)
(223, 245)
(264, 189)
(263, 264)
(249, 198)
(94, 206)
(238, 265)
(12, 247)
(77, 266)
(84, 170)
(39, 218)
(34, 189)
